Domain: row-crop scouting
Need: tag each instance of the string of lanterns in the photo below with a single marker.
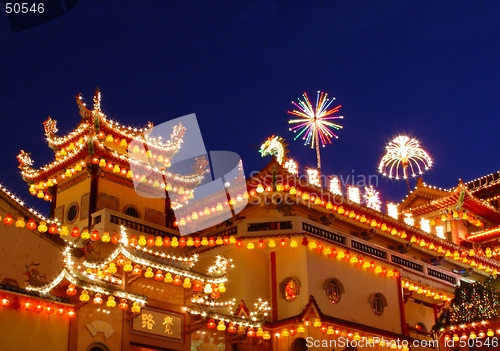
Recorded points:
(425, 290)
(32, 304)
(352, 212)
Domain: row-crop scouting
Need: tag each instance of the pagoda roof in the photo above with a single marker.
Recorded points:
(98, 139)
(458, 198)
(423, 193)
(485, 234)
(312, 309)
(483, 183)
(274, 171)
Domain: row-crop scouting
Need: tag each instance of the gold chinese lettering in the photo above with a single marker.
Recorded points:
(168, 323)
(147, 321)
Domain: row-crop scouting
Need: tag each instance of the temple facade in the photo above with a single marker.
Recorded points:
(300, 267)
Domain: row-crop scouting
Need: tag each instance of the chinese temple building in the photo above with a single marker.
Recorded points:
(301, 267)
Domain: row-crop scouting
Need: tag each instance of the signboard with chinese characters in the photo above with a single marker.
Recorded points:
(150, 321)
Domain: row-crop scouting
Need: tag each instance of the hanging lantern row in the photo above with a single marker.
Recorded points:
(452, 214)
(98, 299)
(259, 332)
(420, 289)
(464, 256)
(35, 305)
(40, 189)
(366, 220)
(472, 335)
(213, 289)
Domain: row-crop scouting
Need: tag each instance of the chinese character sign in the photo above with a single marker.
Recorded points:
(155, 322)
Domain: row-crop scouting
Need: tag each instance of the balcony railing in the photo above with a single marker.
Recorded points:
(294, 225)
(107, 219)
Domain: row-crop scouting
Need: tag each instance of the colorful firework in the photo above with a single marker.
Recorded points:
(314, 125)
(371, 198)
(403, 156)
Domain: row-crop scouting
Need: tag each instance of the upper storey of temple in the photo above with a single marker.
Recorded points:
(100, 141)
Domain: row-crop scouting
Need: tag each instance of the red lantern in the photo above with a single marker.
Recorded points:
(114, 239)
(166, 241)
(261, 244)
(293, 331)
(323, 329)
(250, 332)
(282, 242)
(231, 329)
(31, 225)
(347, 255)
(182, 242)
(49, 309)
(5, 301)
(305, 242)
(151, 241)
(211, 241)
(123, 305)
(95, 235)
(53, 229)
(95, 160)
(239, 243)
(75, 233)
(215, 293)
(60, 311)
(71, 313)
(132, 241)
(211, 324)
(120, 261)
(197, 286)
(136, 270)
(39, 307)
(159, 275)
(197, 242)
(71, 290)
(8, 220)
(226, 240)
(27, 304)
(177, 280)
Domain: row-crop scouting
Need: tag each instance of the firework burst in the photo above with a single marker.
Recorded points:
(314, 125)
(404, 157)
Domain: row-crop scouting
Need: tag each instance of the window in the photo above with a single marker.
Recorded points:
(421, 326)
(131, 211)
(290, 289)
(299, 344)
(72, 212)
(378, 302)
(97, 347)
(334, 290)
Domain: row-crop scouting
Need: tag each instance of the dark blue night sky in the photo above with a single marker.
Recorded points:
(430, 69)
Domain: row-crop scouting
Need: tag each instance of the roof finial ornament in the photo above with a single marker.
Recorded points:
(24, 159)
(50, 126)
(97, 100)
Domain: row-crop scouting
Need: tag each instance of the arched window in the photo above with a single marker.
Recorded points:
(299, 344)
(334, 289)
(290, 289)
(378, 302)
(421, 326)
(132, 211)
(97, 347)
